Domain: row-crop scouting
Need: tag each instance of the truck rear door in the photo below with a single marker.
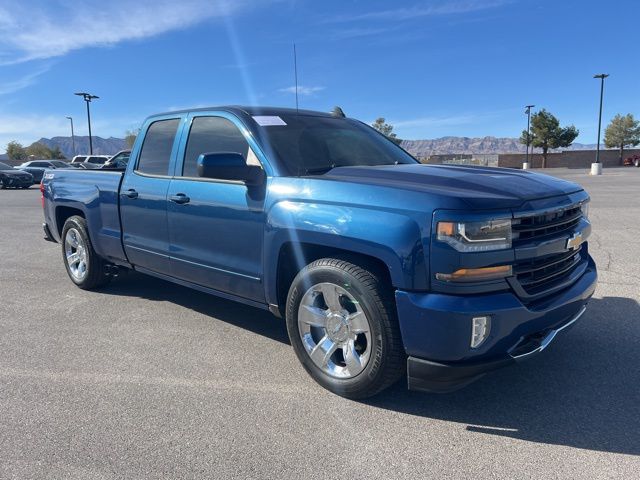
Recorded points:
(216, 227)
(143, 196)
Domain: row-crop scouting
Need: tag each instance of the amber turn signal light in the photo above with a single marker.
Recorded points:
(476, 274)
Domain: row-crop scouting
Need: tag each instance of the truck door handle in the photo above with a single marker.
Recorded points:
(131, 193)
(180, 199)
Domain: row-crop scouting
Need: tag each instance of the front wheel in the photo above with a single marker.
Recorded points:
(342, 325)
(85, 268)
(636, 162)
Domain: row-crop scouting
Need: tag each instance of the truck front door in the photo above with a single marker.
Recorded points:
(216, 227)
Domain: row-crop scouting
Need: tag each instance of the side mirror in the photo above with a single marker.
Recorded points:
(229, 166)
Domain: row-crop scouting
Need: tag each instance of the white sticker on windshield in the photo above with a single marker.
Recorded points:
(268, 120)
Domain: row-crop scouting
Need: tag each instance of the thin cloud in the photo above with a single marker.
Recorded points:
(430, 126)
(302, 90)
(361, 32)
(27, 128)
(426, 122)
(417, 11)
(23, 82)
(38, 29)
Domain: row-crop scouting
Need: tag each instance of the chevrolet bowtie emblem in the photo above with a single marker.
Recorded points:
(574, 241)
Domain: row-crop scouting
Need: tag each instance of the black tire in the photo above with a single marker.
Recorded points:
(95, 276)
(2, 185)
(387, 361)
(636, 162)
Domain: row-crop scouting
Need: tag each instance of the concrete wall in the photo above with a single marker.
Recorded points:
(566, 159)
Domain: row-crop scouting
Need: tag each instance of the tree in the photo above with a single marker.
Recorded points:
(130, 137)
(15, 151)
(39, 151)
(546, 133)
(386, 129)
(57, 154)
(337, 112)
(622, 131)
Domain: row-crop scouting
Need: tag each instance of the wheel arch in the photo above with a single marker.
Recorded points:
(63, 213)
(293, 256)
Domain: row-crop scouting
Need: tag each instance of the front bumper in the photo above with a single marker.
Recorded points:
(436, 331)
(15, 182)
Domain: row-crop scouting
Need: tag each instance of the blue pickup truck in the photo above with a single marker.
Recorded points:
(382, 267)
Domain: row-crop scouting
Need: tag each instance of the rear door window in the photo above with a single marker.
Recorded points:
(156, 149)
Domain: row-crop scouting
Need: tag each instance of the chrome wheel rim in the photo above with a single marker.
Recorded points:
(334, 330)
(76, 254)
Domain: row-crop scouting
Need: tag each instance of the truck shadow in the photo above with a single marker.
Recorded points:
(251, 319)
(583, 392)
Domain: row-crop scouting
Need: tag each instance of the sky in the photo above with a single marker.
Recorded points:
(432, 68)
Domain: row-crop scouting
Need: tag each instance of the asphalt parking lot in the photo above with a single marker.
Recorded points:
(146, 379)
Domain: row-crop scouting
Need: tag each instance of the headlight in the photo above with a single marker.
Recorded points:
(476, 236)
(584, 208)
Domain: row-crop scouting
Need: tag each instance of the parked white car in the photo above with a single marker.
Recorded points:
(95, 159)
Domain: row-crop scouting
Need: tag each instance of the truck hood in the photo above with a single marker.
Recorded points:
(478, 187)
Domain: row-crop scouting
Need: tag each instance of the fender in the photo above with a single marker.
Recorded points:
(393, 238)
(99, 207)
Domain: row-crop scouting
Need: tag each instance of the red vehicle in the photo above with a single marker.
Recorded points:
(633, 160)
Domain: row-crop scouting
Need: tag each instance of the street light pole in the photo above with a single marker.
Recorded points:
(87, 97)
(528, 112)
(601, 76)
(73, 137)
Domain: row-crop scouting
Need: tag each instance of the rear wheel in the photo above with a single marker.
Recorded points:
(342, 325)
(85, 268)
(636, 162)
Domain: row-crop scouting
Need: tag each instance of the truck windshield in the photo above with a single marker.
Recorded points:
(313, 145)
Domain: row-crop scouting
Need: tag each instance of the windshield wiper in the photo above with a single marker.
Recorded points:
(321, 170)
(325, 169)
(316, 171)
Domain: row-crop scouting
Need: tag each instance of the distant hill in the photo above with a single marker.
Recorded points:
(101, 146)
(420, 148)
(482, 145)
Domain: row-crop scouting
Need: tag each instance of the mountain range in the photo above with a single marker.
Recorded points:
(466, 145)
(419, 148)
(101, 146)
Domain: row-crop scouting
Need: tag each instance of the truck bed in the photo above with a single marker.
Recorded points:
(92, 194)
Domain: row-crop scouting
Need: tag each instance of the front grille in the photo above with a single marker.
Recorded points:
(546, 274)
(537, 275)
(536, 227)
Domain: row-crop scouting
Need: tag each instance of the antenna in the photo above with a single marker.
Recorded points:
(295, 72)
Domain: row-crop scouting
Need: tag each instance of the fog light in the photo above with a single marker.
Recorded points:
(480, 328)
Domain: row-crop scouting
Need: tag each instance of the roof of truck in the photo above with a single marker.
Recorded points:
(275, 111)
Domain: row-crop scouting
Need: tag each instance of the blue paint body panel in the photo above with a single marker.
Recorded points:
(438, 324)
(228, 238)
